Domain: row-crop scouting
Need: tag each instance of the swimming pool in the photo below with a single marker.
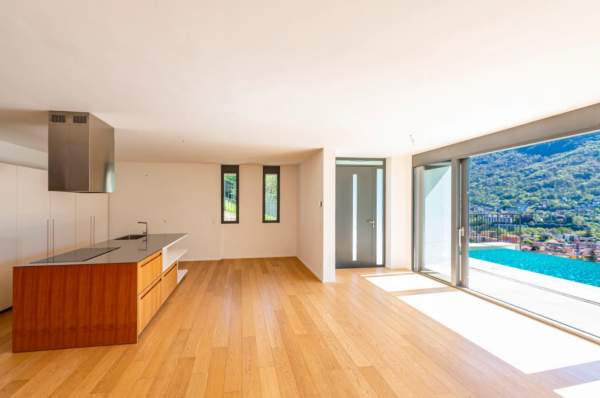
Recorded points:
(564, 268)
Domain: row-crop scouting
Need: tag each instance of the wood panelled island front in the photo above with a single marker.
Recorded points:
(85, 305)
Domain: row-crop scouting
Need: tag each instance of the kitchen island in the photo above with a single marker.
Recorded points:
(102, 294)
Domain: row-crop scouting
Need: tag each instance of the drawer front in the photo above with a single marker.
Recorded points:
(169, 281)
(148, 305)
(149, 270)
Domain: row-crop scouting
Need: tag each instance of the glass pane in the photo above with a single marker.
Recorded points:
(534, 229)
(271, 199)
(379, 219)
(358, 162)
(230, 197)
(354, 216)
(437, 215)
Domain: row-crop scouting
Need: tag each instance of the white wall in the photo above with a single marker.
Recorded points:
(310, 214)
(329, 215)
(253, 238)
(8, 232)
(22, 156)
(316, 225)
(398, 212)
(188, 197)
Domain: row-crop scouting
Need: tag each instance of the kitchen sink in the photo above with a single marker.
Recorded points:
(131, 237)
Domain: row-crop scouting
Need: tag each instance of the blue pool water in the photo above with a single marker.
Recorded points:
(564, 268)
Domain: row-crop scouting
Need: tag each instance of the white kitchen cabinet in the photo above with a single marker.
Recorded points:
(91, 218)
(62, 222)
(33, 215)
(101, 213)
(8, 231)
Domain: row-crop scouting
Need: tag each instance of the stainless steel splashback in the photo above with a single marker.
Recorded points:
(81, 153)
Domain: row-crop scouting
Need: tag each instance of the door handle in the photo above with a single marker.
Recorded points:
(372, 222)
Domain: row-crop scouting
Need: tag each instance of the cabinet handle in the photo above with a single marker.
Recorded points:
(90, 230)
(47, 238)
(52, 237)
(151, 289)
(94, 229)
(149, 261)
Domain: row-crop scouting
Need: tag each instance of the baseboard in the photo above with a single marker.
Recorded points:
(235, 258)
(310, 269)
(202, 259)
(269, 256)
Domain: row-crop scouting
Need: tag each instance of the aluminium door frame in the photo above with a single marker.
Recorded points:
(459, 270)
(384, 197)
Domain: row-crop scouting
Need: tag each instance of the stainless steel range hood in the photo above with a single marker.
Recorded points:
(81, 153)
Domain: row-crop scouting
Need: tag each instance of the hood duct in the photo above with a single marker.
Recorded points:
(81, 153)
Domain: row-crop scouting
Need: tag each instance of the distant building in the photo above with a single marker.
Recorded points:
(569, 237)
(510, 238)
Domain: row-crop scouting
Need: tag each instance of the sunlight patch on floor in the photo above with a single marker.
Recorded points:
(587, 390)
(528, 345)
(399, 283)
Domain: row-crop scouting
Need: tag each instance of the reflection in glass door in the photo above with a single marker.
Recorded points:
(433, 220)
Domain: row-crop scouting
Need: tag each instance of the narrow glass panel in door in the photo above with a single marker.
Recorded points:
(435, 217)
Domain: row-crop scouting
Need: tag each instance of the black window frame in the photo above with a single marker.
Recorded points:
(228, 169)
(271, 170)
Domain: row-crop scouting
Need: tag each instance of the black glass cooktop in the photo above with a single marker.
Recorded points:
(77, 256)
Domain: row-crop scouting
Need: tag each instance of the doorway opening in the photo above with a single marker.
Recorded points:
(360, 213)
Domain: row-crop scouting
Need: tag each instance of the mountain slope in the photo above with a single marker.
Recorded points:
(566, 168)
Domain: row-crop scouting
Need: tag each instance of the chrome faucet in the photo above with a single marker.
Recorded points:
(145, 223)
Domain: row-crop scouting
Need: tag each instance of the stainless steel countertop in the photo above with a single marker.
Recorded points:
(130, 251)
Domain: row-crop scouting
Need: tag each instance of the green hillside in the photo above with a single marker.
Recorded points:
(568, 168)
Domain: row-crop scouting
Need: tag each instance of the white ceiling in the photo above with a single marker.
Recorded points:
(272, 80)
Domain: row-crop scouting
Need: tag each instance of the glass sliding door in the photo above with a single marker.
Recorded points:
(433, 220)
(534, 229)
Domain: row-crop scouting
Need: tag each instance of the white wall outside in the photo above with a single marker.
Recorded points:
(437, 185)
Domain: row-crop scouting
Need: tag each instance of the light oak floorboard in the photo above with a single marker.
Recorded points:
(267, 328)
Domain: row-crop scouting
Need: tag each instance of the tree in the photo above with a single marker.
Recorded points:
(593, 257)
(528, 242)
(589, 232)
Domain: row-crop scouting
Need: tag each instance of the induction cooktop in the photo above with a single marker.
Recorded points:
(77, 256)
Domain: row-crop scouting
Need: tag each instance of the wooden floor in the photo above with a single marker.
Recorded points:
(269, 328)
